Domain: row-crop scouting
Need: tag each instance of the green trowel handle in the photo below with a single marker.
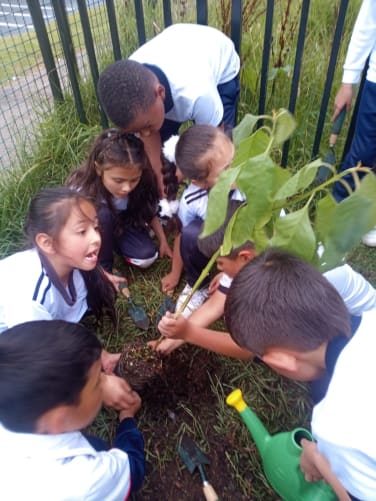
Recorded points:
(338, 122)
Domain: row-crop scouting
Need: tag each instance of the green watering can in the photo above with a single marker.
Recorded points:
(280, 455)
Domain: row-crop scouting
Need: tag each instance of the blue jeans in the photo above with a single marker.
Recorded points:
(363, 146)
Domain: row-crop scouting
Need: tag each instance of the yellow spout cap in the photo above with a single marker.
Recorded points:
(235, 399)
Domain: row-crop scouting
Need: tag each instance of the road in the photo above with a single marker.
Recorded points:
(15, 16)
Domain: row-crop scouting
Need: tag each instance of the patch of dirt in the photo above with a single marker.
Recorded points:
(175, 404)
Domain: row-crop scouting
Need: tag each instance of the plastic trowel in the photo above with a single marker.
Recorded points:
(136, 312)
(330, 158)
(193, 458)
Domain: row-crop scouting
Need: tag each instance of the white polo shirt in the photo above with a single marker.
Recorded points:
(27, 293)
(195, 60)
(61, 467)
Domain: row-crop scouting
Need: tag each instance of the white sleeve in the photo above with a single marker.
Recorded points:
(357, 293)
(208, 109)
(103, 476)
(362, 42)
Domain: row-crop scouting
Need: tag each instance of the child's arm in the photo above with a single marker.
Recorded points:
(170, 281)
(164, 248)
(129, 439)
(153, 148)
(210, 311)
(315, 467)
(218, 341)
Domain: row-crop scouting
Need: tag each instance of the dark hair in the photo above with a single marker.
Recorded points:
(114, 147)
(126, 88)
(192, 153)
(211, 243)
(278, 300)
(48, 212)
(43, 364)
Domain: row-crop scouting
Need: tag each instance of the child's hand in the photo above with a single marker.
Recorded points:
(132, 409)
(214, 284)
(115, 280)
(117, 393)
(166, 346)
(169, 282)
(165, 250)
(173, 327)
(109, 361)
(316, 467)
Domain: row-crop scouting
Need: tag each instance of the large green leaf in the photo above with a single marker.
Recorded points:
(285, 125)
(340, 227)
(252, 146)
(294, 233)
(299, 181)
(218, 201)
(244, 128)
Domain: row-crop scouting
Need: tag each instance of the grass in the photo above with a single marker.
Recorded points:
(61, 142)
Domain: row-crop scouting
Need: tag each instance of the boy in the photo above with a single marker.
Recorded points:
(288, 314)
(193, 330)
(50, 388)
(187, 72)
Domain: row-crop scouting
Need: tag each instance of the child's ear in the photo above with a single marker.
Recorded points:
(45, 243)
(282, 361)
(247, 255)
(160, 91)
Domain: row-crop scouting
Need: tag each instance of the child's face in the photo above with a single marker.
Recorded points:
(221, 156)
(121, 180)
(79, 241)
(84, 413)
(150, 122)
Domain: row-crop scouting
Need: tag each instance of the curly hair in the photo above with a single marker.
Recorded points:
(126, 88)
(114, 147)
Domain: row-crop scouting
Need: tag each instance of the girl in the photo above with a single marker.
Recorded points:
(58, 276)
(201, 154)
(118, 177)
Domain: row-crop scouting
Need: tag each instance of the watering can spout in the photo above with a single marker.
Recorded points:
(256, 428)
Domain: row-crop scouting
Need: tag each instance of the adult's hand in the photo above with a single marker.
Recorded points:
(343, 99)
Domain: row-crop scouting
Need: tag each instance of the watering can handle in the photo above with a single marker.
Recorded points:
(209, 492)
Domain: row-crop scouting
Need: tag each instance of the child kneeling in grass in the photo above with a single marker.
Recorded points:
(291, 317)
(50, 388)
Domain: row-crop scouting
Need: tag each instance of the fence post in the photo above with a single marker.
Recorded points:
(70, 56)
(113, 29)
(296, 73)
(45, 48)
(89, 44)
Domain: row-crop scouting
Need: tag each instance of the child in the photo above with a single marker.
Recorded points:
(58, 276)
(288, 314)
(118, 177)
(193, 330)
(201, 153)
(50, 389)
(187, 72)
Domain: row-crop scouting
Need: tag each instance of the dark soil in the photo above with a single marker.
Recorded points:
(174, 405)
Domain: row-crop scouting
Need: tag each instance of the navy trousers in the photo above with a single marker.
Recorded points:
(131, 243)
(363, 146)
(194, 261)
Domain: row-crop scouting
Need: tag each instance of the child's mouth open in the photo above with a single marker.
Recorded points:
(92, 257)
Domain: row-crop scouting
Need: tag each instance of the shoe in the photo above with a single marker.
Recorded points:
(369, 238)
(198, 298)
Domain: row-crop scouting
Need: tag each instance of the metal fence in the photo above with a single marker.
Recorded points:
(48, 48)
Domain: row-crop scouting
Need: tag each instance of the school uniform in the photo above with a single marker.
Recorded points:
(133, 244)
(65, 467)
(199, 69)
(343, 422)
(31, 290)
